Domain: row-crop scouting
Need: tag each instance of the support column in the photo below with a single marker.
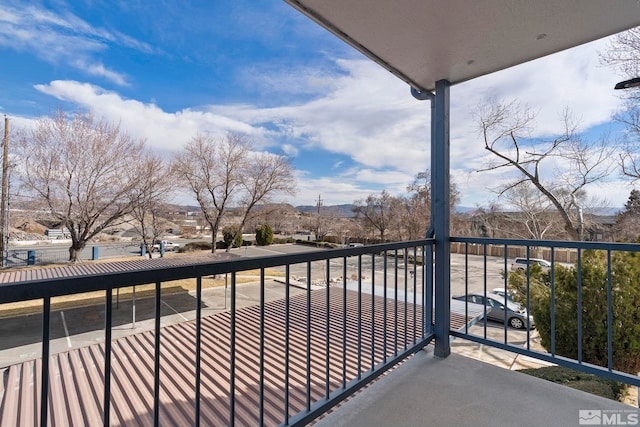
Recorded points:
(440, 220)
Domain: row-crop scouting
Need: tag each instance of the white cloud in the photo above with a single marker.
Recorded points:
(97, 69)
(333, 190)
(62, 39)
(162, 130)
(365, 113)
(290, 150)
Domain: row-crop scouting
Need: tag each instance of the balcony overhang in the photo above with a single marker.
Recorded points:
(423, 41)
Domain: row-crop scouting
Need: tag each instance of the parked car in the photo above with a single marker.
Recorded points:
(522, 263)
(501, 293)
(517, 317)
(168, 246)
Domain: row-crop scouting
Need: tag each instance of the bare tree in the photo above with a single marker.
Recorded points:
(623, 55)
(325, 223)
(630, 154)
(150, 195)
(224, 173)
(84, 170)
(417, 213)
(279, 216)
(417, 208)
(212, 168)
(376, 212)
(535, 217)
(560, 168)
(263, 175)
(486, 221)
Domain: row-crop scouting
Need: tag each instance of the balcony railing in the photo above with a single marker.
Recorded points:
(286, 359)
(497, 254)
(307, 331)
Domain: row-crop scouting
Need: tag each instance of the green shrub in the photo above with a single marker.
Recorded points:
(281, 241)
(580, 381)
(195, 246)
(625, 300)
(228, 234)
(264, 235)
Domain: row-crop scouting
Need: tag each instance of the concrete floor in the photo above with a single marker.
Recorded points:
(461, 391)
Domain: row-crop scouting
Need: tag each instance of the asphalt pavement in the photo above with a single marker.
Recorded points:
(82, 326)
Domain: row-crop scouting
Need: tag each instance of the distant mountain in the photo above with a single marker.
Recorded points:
(343, 211)
(595, 211)
(606, 211)
(346, 210)
(464, 209)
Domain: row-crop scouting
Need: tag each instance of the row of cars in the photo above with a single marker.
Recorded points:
(500, 305)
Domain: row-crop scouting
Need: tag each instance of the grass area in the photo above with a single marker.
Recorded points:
(125, 293)
(581, 381)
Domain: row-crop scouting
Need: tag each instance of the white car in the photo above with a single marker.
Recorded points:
(500, 292)
(522, 263)
(168, 246)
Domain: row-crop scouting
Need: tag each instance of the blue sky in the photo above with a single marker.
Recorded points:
(167, 70)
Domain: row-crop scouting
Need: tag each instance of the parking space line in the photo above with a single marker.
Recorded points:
(66, 330)
(174, 310)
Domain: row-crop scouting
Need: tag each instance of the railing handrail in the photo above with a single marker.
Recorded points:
(106, 280)
(570, 244)
(361, 331)
(551, 356)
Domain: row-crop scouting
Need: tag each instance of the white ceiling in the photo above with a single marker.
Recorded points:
(423, 41)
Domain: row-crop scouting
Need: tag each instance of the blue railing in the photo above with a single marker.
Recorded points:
(565, 287)
(347, 331)
(356, 313)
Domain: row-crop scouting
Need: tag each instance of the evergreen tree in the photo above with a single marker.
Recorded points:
(625, 303)
(627, 226)
(231, 235)
(264, 235)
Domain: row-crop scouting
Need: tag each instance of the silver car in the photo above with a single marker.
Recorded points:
(516, 316)
(522, 263)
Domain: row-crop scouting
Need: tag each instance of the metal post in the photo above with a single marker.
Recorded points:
(133, 309)
(4, 197)
(440, 217)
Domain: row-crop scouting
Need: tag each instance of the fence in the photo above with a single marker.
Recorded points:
(60, 254)
(565, 255)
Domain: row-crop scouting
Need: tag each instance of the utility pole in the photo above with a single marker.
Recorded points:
(318, 220)
(4, 196)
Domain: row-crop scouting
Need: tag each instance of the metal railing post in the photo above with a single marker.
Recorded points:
(440, 215)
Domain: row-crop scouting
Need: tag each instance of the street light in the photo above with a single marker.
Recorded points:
(627, 84)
